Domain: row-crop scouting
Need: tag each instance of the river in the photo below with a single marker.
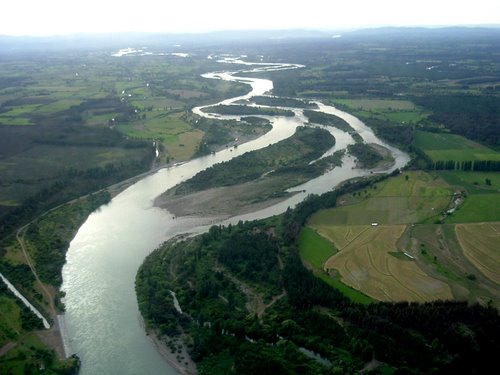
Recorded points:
(103, 322)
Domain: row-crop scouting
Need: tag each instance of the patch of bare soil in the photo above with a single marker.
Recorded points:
(225, 201)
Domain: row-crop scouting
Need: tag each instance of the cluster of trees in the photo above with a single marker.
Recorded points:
(29, 321)
(392, 132)
(366, 155)
(251, 256)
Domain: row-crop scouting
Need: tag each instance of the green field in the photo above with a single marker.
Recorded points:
(397, 200)
(378, 104)
(482, 199)
(473, 182)
(10, 322)
(397, 111)
(443, 146)
(314, 249)
(477, 208)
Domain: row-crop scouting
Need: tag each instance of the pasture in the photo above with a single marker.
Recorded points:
(396, 111)
(366, 264)
(408, 198)
(313, 248)
(378, 104)
(477, 208)
(179, 140)
(480, 245)
(473, 182)
(445, 146)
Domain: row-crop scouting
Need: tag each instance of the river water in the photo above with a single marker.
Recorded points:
(103, 322)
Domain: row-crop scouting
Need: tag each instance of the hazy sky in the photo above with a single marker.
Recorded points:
(48, 17)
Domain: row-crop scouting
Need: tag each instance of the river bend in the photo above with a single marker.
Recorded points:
(103, 322)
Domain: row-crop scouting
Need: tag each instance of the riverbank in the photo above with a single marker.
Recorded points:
(178, 358)
(227, 201)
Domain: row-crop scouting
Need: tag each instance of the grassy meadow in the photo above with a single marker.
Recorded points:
(445, 146)
(396, 111)
(408, 198)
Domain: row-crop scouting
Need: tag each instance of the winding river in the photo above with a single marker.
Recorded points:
(103, 324)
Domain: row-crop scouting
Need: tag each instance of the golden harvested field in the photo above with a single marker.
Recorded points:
(341, 236)
(366, 264)
(481, 245)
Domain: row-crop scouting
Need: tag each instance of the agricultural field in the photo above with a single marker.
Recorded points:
(369, 257)
(396, 111)
(370, 263)
(408, 198)
(473, 182)
(480, 245)
(441, 253)
(445, 146)
(482, 197)
(477, 208)
(175, 135)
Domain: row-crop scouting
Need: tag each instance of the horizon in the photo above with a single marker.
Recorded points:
(57, 18)
(318, 31)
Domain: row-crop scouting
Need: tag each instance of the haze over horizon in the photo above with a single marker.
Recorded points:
(59, 17)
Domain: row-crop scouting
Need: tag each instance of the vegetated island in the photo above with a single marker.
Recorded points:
(245, 110)
(254, 180)
(247, 305)
(275, 101)
(219, 134)
(370, 155)
(332, 120)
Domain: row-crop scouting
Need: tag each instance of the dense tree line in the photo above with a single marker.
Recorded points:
(468, 165)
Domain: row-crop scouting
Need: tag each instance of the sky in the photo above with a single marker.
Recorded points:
(57, 17)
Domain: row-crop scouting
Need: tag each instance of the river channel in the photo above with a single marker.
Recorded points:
(103, 323)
